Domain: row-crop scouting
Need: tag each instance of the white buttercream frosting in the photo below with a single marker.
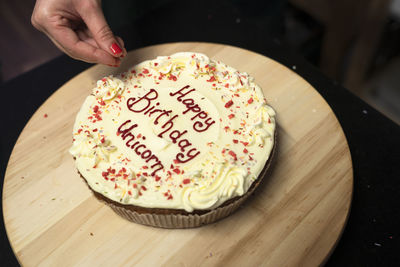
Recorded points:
(178, 132)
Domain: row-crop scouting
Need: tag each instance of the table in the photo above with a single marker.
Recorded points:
(372, 234)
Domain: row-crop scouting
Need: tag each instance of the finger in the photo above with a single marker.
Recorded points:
(122, 44)
(93, 16)
(86, 38)
(86, 35)
(59, 46)
(120, 41)
(78, 49)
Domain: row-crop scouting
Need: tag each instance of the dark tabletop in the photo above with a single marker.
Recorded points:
(371, 237)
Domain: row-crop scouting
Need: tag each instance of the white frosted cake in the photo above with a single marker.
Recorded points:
(176, 141)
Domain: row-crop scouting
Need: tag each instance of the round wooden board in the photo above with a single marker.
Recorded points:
(295, 217)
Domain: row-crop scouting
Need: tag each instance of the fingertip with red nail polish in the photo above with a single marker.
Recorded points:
(115, 49)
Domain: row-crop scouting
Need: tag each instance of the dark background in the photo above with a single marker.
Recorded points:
(285, 31)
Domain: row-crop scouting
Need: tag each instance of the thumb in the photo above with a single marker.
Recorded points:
(93, 16)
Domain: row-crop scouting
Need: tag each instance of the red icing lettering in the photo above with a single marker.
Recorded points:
(169, 123)
(198, 125)
(175, 135)
(124, 131)
(180, 92)
(203, 122)
(164, 113)
(191, 154)
(144, 101)
(137, 148)
(183, 144)
(148, 106)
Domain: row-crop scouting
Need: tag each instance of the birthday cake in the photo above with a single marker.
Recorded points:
(177, 141)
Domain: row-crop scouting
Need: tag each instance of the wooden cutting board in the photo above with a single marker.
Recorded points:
(295, 217)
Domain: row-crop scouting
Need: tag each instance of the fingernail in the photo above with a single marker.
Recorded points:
(115, 49)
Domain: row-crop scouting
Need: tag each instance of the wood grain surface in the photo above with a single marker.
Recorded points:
(295, 217)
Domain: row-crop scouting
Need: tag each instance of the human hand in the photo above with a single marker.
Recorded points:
(79, 29)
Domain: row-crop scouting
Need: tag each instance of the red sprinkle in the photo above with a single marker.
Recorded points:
(245, 151)
(177, 171)
(227, 85)
(95, 109)
(250, 100)
(45, 115)
(102, 140)
(212, 79)
(229, 103)
(98, 117)
(157, 178)
(144, 188)
(233, 154)
(186, 181)
(231, 116)
(145, 71)
(235, 141)
(172, 77)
